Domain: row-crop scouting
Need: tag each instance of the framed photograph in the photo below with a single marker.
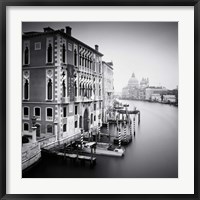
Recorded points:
(99, 99)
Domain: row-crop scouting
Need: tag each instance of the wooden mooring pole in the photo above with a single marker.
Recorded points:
(134, 125)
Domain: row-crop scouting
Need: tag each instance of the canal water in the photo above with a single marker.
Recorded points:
(153, 152)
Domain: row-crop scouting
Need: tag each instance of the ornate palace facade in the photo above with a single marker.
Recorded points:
(61, 84)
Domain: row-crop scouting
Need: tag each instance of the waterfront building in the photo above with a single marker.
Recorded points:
(155, 90)
(61, 84)
(156, 97)
(169, 98)
(108, 88)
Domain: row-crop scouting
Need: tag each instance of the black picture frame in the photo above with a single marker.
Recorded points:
(4, 4)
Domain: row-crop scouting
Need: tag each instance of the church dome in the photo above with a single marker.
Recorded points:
(133, 82)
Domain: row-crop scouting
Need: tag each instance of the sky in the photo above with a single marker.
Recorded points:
(149, 49)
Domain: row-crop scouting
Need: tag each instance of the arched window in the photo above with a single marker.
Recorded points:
(85, 61)
(75, 57)
(80, 89)
(90, 91)
(80, 59)
(26, 89)
(63, 89)
(75, 89)
(80, 122)
(83, 90)
(49, 90)
(63, 53)
(49, 54)
(37, 112)
(26, 56)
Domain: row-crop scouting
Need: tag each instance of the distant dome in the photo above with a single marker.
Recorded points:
(133, 82)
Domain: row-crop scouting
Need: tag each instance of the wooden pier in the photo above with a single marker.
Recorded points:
(72, 156)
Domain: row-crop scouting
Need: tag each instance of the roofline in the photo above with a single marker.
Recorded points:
(61, 33)
(107, 64)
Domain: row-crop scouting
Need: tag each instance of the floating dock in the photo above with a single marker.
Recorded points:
(72, 156)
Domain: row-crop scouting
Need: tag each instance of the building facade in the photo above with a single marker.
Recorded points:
(108, 88)
(61, 84)
(151, 92)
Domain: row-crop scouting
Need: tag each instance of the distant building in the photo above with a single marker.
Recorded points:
(134, 89)
(156, 97)
(154, 90)
(144, 83)
(62, 84)
(169, 98)
(108, 87)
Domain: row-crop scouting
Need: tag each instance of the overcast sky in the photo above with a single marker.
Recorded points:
(149, 49)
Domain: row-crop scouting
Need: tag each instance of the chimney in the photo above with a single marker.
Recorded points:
(68, 30)
(96, 47)
(48, 29)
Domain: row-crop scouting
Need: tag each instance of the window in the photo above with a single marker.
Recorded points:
(49, 128)
(75, 57)
(37, 45)
(26, 89)
(76, 124)
(95, 118)
(80, 57)
(26, 53)
(49, 114)
(37, 112)
(75, 89)
(64, 127)
(49, 90)
(49, 50)
(26, 127)
(69, 46)
(26, 85)
(49, 84)
(76, 110)
(49, 54)
(64, 111)
(26, 56)
(63, 89)
(95, 106)
(99, 105)
(63, 53)
(26, 113)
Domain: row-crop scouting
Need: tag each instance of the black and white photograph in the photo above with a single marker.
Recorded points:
(99, 99)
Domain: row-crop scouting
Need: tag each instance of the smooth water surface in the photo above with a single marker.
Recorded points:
(153, 152)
